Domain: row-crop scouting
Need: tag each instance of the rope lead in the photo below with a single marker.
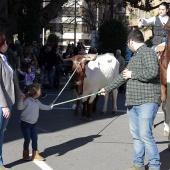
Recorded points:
(75, 99)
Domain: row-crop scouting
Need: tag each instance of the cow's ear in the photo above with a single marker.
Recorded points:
(93, 58)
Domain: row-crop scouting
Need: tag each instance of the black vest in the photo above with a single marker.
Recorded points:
(159, 31)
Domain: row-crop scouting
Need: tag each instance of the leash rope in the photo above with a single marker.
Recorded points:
(75, 99)
(66, 84)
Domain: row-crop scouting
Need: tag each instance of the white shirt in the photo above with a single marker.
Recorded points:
(151, 21)
(7, 65)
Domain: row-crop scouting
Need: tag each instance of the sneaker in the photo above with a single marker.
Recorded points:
(73, 107)
(44, 96)
(135, 168)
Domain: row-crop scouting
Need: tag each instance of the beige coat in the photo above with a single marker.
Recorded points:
(9, 88)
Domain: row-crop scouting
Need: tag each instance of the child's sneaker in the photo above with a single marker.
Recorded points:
(73, 107)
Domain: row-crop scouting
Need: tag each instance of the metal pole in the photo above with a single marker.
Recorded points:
(97, 21)
(43, 31)
(97, 24)
(75, 22)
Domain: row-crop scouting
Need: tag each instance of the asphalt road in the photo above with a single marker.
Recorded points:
(72, 143)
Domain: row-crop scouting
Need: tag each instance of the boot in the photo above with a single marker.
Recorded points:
(26, 155)
(3, 168)
(36, 156)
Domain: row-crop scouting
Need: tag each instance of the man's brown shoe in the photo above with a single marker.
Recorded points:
(135, 168)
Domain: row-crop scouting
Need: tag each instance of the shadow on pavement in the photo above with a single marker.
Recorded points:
(68, 146)
(17, 162)
(165, 159)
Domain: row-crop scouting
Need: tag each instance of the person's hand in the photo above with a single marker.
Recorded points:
(6, 112)
(102, 92)
(127, 74)
(19, 69)
(22, 96)
(53, 67)
(140, 22)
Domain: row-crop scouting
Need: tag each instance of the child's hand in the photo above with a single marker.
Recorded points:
(22, 96)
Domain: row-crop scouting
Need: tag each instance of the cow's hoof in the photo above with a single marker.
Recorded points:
(166, 133)
(103, 113)
(89, 119)
(113, 112)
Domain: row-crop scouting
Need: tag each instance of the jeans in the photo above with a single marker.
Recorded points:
(57, 78)
(51, 73)
(29, 131)
(141, 119)
(3, 125)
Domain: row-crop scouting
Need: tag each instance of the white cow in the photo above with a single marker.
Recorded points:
(92, 76)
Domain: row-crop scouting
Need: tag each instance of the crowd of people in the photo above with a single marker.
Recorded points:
(42, 64)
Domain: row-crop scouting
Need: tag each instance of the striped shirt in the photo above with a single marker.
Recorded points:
(144, 85)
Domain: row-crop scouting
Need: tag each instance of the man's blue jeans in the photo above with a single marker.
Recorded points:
(3, 125)
(141, 119)
(51, 73)
(29, 132)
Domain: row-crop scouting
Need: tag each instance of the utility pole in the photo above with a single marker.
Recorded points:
(75, 22)
(43, 31)
(111, 10)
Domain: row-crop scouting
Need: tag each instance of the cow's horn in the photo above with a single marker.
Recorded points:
(94, 58)
(67, 59)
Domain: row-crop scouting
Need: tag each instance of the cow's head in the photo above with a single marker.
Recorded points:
(79, 63)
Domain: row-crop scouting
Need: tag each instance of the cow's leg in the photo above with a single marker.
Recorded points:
(77, 108)
(106, 97)
(166, 121)
(163, 76)
(84, 110)
(89, 111)
(114, 101)
(95, 104)
(163, 93)
(166, 107)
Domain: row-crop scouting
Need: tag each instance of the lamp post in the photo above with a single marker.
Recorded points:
(43, 31)
(75, 22)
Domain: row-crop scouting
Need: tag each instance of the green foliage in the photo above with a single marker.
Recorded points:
(29, 21)
(112, 36)
(152, 13)
(53, 40)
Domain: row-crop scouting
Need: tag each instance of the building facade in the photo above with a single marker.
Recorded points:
(81, 25)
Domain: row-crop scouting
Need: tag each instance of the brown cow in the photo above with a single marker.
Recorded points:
(164, 62)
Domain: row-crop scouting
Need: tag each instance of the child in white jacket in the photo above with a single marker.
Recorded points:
(29, 116)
